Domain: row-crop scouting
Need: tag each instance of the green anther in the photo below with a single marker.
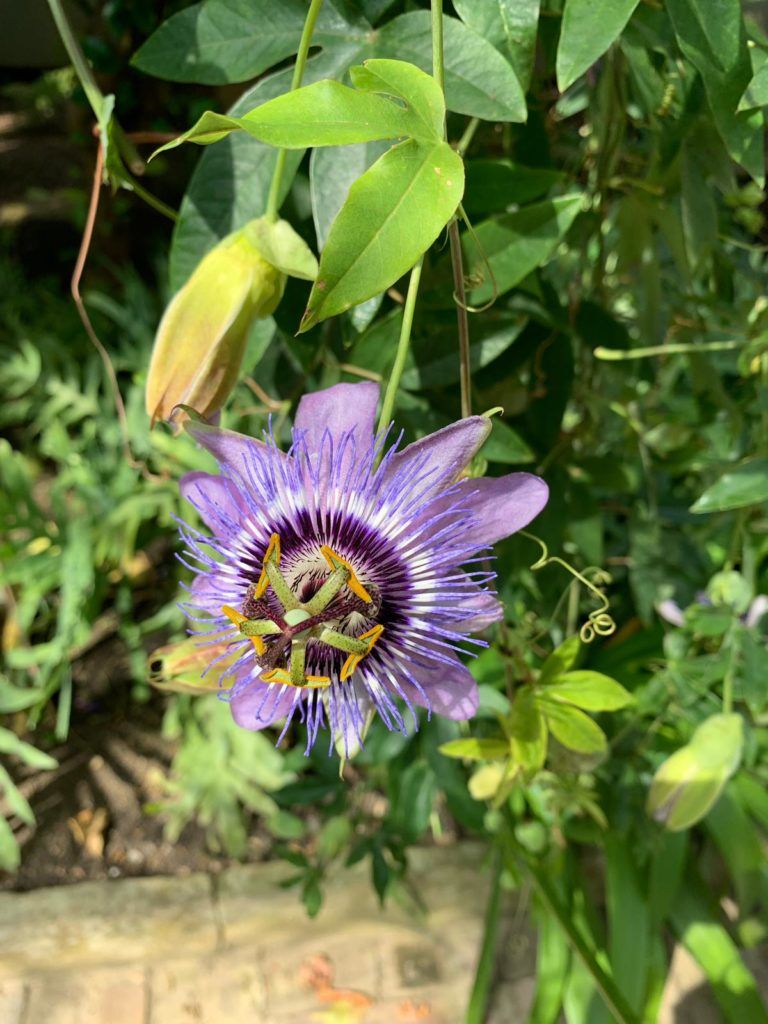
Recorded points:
(348, 644)
(258, 627)
(295, 616)
(284, 593)
(328, 591)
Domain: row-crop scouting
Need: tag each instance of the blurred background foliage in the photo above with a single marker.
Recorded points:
(626, 340)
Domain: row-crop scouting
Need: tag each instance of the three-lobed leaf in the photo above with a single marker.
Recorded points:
(572, 728)
(393, 213)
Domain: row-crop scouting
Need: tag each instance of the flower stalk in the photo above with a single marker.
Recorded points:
(273, 199)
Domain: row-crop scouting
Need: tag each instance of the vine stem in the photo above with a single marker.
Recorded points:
(79, 63)
(273, 199)
(462, 318)
(403, 344)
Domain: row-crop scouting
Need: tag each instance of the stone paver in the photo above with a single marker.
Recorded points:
(238, 949)
(117, 995)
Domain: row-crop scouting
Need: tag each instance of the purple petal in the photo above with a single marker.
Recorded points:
(502, 505)
(482, 607)
(261, 704)
(216, 499)
(671, 612)
(339, 410)
(451, 689)
(227, 446)
(447, 451)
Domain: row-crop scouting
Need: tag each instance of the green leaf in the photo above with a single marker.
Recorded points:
(510, 25)
(588, 29)
(515, 244)
(560, 660)
(688, 783)
(437, 372)
(553, 958)
(418, 90)
(412, 800)
(695, 920)
(505, 445)
(711, 34)
(528, 731)
(472, 749)
(332, 172)
(591, 691)
(325, 113)
(699, 210)
(282, 247)
(756, 93)
(17, 802)
(11, 744)
(629, 925)
(393, 213)
(479, 82)
(16, 698)
(10, 856)
(231, 182)
(744, 485)
(573, 728)
(494, 185)
(224, 41)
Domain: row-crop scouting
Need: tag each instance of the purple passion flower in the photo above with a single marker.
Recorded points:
(346, 576)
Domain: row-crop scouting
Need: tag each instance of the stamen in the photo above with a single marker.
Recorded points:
(353, 660)
(336, 562)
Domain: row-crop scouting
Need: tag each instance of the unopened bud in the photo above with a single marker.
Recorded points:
(201, 339)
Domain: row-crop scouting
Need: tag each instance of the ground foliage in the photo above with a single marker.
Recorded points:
(614, 158)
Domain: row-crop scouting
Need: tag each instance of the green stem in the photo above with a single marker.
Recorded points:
(617, 354)
(388, 404)
(79, 63)
(469, 133)
(438, 72)
(273, 200)
(478, 1000)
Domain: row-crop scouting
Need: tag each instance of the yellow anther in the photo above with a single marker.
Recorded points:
(273, 554)
(283, 676)
(353, 660)
(335, 562)
(234, 616)
(237, 619)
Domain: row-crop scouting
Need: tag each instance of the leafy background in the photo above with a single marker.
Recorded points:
(614, 183)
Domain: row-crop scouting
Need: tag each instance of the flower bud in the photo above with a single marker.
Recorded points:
(201, 339)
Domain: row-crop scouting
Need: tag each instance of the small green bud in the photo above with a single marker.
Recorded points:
(200, 342)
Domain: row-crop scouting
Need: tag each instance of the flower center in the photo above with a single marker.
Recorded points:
(297, 622)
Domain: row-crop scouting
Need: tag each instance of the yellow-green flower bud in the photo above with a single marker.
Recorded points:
(200, 342)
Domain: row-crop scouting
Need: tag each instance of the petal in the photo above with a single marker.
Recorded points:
(671, 612)
(261, 704)
(482, 608)
(339, 410)
(450, 687)
(756, 610)
(502, 505)
(216, 499)
(229, 448)
(447, 451)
